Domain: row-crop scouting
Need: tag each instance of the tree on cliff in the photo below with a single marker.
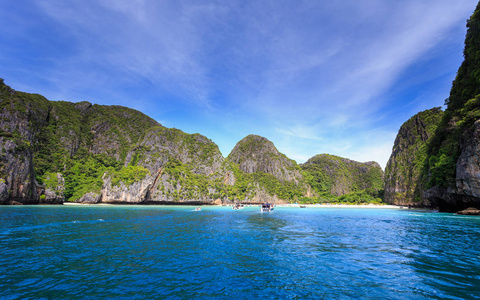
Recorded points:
(463, 109)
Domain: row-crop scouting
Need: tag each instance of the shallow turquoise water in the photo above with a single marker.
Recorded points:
(155, 252)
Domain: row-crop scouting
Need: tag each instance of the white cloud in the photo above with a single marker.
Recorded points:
(314, 75)
(142, 40)
(300, 59)
(365, 145)
(357, 70)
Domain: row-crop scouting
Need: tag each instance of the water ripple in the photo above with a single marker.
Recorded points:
(125, 252)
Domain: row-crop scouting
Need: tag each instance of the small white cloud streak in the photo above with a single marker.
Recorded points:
(370, 145)
(302, 132)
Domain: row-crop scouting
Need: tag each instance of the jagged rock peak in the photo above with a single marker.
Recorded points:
(373, 164)
(83, 106)
(418, 128)
(257, 154)
(251, 146)
(5, 88)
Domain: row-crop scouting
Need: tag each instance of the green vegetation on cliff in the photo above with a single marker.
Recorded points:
(248, 184)
(435, 160)
(355, 198)
(258, 166)
(74, 149)
(409, 155)
(257, 154)
(83, 141)
(336, 179)
(463, 109)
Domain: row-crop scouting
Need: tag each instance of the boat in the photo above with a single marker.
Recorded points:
(198, 209)
(237, 206)
(302, 206)
(266, 207)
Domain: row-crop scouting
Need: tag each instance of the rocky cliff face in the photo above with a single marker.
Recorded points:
(262, 172)
(257, 154)
(403, 170)
(93, 153)
(442, 170)
(53, 151)
(181, 168)
(451, 174)
(18, 120)
(468, 165)
(339, 176)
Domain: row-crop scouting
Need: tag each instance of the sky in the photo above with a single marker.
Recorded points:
(313, 77)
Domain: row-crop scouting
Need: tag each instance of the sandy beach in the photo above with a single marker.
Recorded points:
(343, 206)
(279, 205)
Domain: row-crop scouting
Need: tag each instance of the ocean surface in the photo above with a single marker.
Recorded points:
(158, 252)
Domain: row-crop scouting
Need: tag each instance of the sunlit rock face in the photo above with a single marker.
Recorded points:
(257, 154)
(403, 170)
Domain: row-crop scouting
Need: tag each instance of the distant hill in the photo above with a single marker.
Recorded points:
(339, 176)
(56, 151)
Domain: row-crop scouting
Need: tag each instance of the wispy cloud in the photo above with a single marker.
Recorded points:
(160, 42)
(357, 62)
(313, 76)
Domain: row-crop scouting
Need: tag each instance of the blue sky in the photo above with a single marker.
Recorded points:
(337, 77)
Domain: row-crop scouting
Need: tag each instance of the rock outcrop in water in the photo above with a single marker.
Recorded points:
(471, 211)
(403, 170)
(339, 176)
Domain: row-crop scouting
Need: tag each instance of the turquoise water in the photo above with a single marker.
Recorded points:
(155, 252)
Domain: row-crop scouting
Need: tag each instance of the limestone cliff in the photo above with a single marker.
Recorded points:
(257, 154)
(19, 118)
(181, 168)
(55, 151)
(339, 176)
(403, 170)
(451, 175)
(262, 172)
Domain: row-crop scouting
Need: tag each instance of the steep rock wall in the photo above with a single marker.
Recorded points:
(258, 154)
(451, 173)
(403, 170)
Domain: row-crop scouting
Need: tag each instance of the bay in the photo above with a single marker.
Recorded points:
(168, 252)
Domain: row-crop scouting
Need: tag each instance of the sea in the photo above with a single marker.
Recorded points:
(175, 252)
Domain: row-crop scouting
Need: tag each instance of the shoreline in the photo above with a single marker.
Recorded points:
(346, 205)
(253, 205)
